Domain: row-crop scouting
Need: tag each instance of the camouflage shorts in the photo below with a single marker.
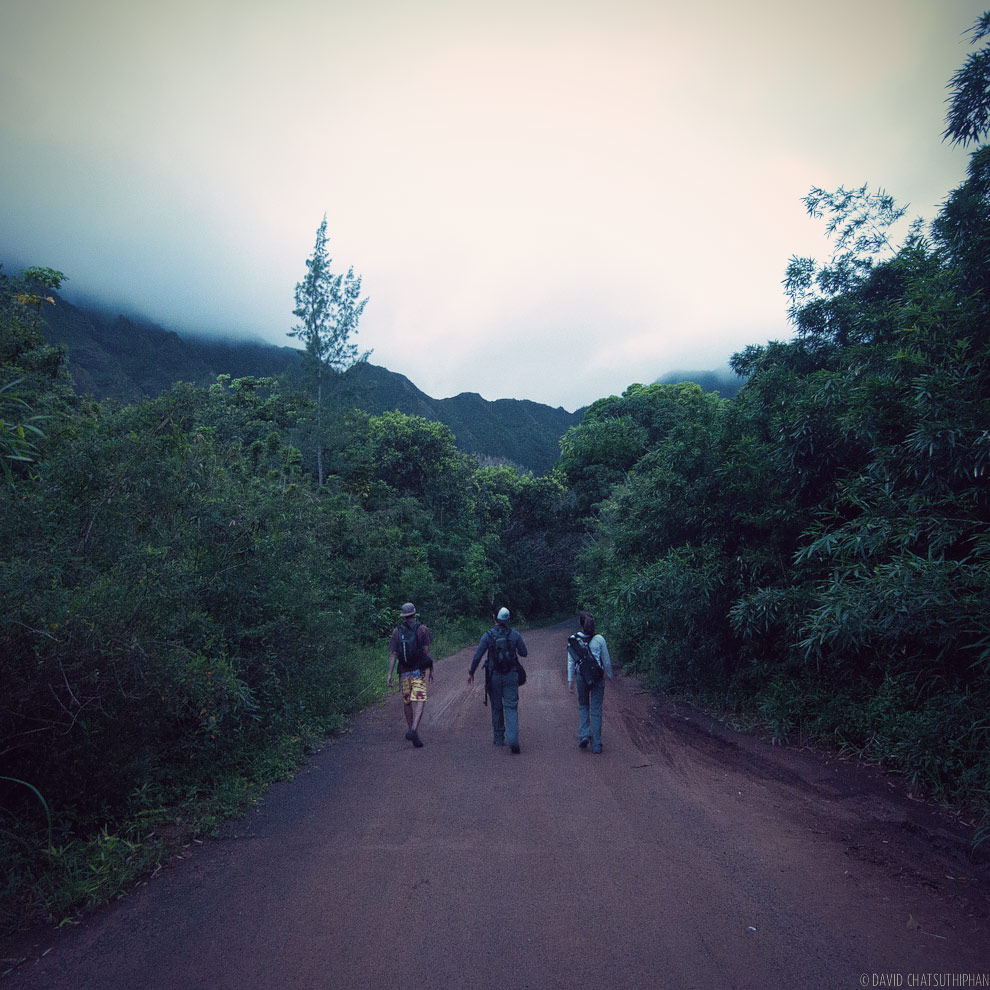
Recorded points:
(413, 689)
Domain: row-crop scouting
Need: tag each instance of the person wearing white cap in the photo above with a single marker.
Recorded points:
(409, 647)
(504, 646)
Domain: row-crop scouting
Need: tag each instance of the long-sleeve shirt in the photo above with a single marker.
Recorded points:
(597, 646)
(488, 639)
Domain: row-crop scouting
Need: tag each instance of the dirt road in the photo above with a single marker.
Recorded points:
(684, 856)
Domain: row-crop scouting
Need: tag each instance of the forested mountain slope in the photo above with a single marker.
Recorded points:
(128, 360)
(115, 357)
(517, 430)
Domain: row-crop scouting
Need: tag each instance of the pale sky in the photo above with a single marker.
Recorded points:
(545, 200)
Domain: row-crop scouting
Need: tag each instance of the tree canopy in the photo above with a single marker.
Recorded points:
(816, 551)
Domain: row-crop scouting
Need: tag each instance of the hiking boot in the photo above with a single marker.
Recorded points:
(416, 741)
(514, 747)
(409, 734)
(583, 744)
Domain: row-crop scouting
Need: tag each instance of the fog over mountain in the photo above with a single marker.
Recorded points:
(123, 358)
(128, 358)
(612, 185)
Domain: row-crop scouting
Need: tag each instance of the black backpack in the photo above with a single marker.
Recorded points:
(409, 652)
(502, 651)
(588, 665)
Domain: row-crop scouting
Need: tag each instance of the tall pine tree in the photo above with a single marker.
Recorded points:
(328, 307)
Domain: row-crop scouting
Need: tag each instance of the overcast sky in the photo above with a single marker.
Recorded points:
(546, 200)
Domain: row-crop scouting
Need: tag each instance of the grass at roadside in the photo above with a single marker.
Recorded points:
(53, 876)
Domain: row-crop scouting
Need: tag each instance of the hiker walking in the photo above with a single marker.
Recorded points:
(409, 646)
(504, 646)
(588, 664)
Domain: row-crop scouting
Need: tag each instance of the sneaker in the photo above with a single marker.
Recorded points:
(583, 744)
(416, 741)
(515, 748)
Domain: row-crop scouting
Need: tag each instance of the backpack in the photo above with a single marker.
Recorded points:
(409, 652)
(502, 651)
(588, 665)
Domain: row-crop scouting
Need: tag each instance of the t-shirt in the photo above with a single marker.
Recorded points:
(424, 639)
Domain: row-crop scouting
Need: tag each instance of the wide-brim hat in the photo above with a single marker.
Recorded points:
(407, 610)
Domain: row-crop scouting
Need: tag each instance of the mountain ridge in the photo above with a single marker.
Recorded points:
(128, 359)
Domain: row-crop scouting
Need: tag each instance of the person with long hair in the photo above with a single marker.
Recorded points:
(591, 697)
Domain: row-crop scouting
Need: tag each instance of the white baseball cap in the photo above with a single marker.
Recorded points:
(503, 614)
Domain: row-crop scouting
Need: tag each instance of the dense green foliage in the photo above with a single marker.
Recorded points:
(184, 605)
(817, 549)
(726, 383)
(180, 596)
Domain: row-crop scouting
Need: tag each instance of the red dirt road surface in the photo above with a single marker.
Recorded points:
(684, 856)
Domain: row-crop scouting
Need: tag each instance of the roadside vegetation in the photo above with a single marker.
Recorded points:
(816, 551)
(186, 608)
